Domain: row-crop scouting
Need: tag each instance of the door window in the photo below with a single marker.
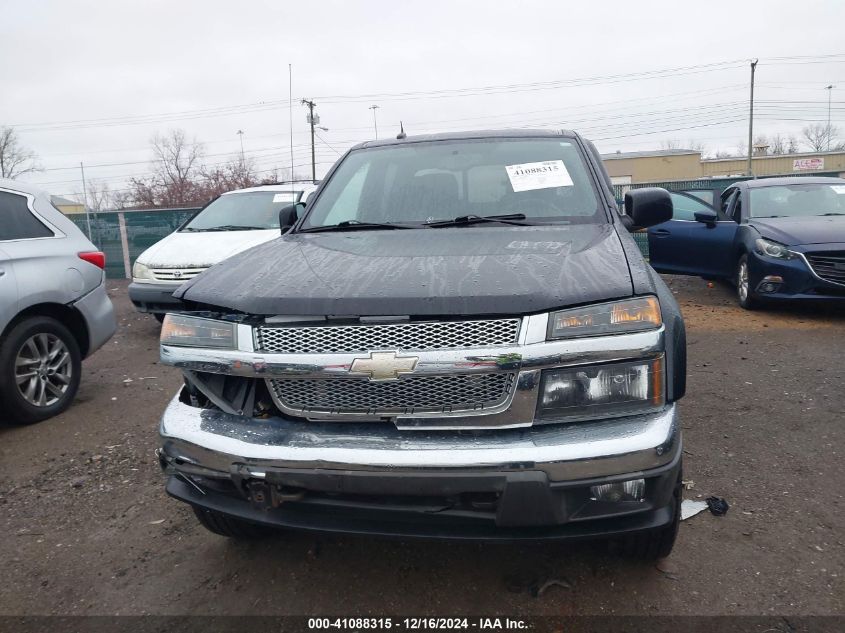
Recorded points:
(16, 220)
(684, 207)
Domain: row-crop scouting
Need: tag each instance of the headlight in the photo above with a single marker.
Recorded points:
(602, 390)
(140, 271)
(189, 331)
(631, 315)
(773, 249)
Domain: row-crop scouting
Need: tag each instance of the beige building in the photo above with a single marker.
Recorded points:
(827, 163)
(626, 168)
(67, 206)
(679, 164)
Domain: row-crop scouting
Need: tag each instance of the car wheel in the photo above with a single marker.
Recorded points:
(226, 525)
(40, 367)
(744, 294)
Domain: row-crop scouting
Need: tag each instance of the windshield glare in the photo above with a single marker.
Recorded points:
(797, 200)
(545, 179)
(251, 210)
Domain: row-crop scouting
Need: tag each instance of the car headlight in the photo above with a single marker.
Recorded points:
(140, 271)
(191, 331)
(602, 390)
(630, 315)
(773, 249)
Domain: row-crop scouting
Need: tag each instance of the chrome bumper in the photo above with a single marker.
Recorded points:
(211, 443)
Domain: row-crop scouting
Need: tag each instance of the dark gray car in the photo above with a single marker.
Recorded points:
(54, 310)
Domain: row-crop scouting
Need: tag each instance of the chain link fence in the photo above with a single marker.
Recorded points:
(123, 235)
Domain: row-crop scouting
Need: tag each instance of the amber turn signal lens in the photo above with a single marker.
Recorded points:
(645, 310)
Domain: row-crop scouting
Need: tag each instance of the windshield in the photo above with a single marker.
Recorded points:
(798, 200)
(419, 183)
(242, 211)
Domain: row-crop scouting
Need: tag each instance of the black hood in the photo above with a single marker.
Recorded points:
(802, 230)
(476, 270)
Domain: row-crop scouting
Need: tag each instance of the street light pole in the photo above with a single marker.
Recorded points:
(829, 93)
(85, 201)
(311, 120)
(375, 123)
(241, 134)
(751, 121)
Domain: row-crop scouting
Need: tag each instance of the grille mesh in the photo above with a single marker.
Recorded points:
(829, 265)
(412, 394)
(388, 336)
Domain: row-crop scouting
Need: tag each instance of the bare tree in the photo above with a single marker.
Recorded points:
(670, 144)
(237, 173)
(820, 136)
(176, 173)
(15, 160)
(100, 197)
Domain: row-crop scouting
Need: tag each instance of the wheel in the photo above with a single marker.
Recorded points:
(657, 543)
(226, 525)
(159, 317)
(744, 294)
(40, 367)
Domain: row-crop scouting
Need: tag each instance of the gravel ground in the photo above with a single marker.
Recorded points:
(87, 527)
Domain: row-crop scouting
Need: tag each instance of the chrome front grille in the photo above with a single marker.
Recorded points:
(176, 274)
(411, 336)
(410, 394)
(830, 266)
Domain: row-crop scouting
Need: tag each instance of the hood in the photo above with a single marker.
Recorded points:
(808, 230)
(201, 250)
(464, 270)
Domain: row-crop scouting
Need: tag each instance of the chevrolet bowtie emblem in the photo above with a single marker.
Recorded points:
(384, 365)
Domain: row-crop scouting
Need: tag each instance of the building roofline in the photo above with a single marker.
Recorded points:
(769, 156)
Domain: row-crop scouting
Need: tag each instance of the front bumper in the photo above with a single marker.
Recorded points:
(374, 478)
(155, 297)
(800, 282)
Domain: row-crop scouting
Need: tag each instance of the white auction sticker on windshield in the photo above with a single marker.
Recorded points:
(543, 175)
(838, 188)
(282, 197)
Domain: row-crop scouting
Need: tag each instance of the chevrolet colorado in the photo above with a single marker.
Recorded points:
(456, 338)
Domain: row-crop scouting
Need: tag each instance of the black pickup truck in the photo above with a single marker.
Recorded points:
(456, 338)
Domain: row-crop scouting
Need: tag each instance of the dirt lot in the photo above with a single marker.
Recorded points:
(87, 528)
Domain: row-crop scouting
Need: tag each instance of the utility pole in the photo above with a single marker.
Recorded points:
(312, 121)
(375, 123)
(829, 92)
(85, 201)
(751, 121)
(241, 134)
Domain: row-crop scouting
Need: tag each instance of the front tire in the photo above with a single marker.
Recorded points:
(744, 294)
(40, 368)
(229, 526)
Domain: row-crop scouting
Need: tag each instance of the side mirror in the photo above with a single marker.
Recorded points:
(289, 215)
(708, 217)
(647, 207)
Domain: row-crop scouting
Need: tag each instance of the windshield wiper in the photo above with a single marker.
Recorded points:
(833, 213)
(354, 225)
(236, 227)
(516, 219)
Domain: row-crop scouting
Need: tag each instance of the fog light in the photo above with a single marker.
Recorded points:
(770, 283)
(632, 490)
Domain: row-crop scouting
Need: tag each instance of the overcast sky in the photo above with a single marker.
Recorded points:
(93, 81)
